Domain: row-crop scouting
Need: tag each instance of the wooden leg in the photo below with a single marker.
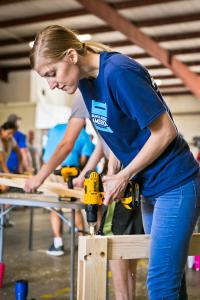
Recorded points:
(92, 268)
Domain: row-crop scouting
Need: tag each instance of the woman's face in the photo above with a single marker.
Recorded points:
(63, 74)
(7, 134)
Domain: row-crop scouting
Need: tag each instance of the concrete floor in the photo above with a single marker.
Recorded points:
(49, 276)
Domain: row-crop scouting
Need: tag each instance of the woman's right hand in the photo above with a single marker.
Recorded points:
(32, 184)
(78, 181)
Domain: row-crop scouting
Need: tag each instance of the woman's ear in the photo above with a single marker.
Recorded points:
(72, 56)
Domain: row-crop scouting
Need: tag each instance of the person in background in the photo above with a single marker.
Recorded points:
(78, 156)
(8, 144)
(35, 157)
(131, 115)
(20, 138)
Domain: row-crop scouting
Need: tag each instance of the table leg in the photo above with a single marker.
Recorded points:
(1, 233)
(72, 255)
(2, 265)
(30, 239)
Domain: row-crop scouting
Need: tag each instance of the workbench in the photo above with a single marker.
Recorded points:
(45, 201)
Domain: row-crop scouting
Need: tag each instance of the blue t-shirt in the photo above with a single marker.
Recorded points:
(82, 147)
(13, 162)
(123, 101)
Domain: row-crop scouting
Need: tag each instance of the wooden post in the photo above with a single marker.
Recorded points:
(92, 268)
(95, 251)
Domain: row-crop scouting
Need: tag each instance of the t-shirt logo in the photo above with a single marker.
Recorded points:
(99, 116)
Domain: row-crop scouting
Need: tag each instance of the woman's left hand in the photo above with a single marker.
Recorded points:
(114, 187)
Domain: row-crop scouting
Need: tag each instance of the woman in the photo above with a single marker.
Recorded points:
(7, 144)
(132, 117)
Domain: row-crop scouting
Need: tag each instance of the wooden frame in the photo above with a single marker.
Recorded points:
(94, 253)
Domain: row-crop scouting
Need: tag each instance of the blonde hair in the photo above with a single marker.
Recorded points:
(54, 41)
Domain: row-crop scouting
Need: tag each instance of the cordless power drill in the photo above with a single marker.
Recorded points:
(68, 173)
(94, 195)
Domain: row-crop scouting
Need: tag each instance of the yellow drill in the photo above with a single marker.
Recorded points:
(94, 194)
(68, 173)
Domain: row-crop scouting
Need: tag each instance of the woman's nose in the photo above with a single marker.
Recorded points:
(53, 84)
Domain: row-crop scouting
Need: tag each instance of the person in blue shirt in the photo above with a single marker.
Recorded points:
(78, 157)
(82, 149)
(131, 115)
(20, 138)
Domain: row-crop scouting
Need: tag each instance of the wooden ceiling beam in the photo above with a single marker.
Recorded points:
(170, 76)
(3, 75)
(178, 51)
(162, 66)
(168, 20)
(148, 22)
(175, 85)
(42, 18)
(180, 93)
(171, 37)
(9, 69)
(149, 67)
(24, 54)
(103, 29)
(113, 18)
(127, 4)
(7, 2)
(119, 5)
(161, 38)
(138, 3)
(14, 55)
(17, 40)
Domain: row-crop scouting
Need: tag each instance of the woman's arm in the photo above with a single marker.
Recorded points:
(25, 160)
(63, 149)
(114, 164)
(163, 132)
(3, 163)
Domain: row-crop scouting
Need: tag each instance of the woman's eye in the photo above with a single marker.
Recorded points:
(50, 74)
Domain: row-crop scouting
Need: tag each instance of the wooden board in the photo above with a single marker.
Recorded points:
(48, 188)
(11, 175)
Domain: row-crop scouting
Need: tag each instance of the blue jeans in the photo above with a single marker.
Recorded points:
(170, 219)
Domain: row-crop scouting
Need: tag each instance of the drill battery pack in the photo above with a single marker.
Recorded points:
(131, 197)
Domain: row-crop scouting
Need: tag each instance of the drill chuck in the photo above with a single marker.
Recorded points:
(91, 213)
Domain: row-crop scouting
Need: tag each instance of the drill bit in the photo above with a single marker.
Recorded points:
(91, 229)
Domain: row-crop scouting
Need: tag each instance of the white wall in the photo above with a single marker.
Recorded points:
(52, 107)
(41, 90)
(17, 89)
(186, 113)
(23, 109)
